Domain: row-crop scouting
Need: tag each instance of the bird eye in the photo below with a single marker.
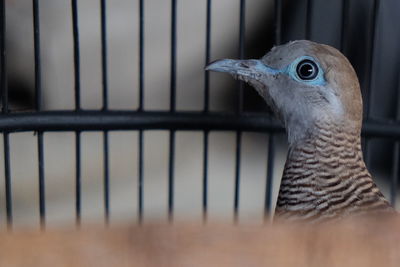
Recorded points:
(307, 70)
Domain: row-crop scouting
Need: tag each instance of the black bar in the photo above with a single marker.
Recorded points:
(396, 150)
(106, 178)
(105, 107)
(395, 174)
(77, 92)
(140, 178)
(205, 174)
(173, 57)
(207, 59)
(132, 120)
(38, 96)
(104, 53)
(172, 110)
(77, 71)
(206, 109)
(242, 36)
(7, 175)
(242, 33)
(370, 57)
(309, 10)
(171, 175)
(42, 194)
(270, 174)
(278, 22)
(36, 38)
(78, 191)
(345, 22)
(369, 73)
(4, 100)
(3, 64)
(141, 100)
(141, 54)
(237, 175)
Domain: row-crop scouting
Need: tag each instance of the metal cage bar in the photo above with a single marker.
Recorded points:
(394, 181)
(77, 89)
(4, 100)
(171, 162)
(38, 102)
(309, 10)
(344, 26)
(106, 172)
(152, 120)
(242, 36)
(205, 110)
(140, 109)
(369, 70)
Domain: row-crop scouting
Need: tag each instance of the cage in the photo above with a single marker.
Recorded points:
(116, 92)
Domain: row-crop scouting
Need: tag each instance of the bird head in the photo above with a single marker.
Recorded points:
(305, 84)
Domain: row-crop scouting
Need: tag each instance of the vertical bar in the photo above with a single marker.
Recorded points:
(309, 9)
(278, 22)
(345, 22)
(105, 107)
(106, 178)
(140, 178)
(370, 56)
(237, 175)
(78, 191)
(242, 20)
(242, 29)
(207, 58)
(270, 174)
(369, 72)
(395, 174)
(104, 53)
(141, 54)
(172, 109)
(38, 93)
(36, 38)
(42, 197)
(206, 109)
(141, 98)
(205, 174)
(7, 175)
(173, 57)
(4, 100)
(4, 89)
(171, 175)
(75, 30)
(396, 151)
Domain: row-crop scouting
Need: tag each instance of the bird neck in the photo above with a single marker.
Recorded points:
(328, 153)
(328, 140)
(325, 175)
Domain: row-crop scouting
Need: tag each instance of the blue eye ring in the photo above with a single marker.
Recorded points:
(315, 78)
(307, 70)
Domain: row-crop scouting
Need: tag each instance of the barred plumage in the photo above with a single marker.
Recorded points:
(314, 90)
(326, 177)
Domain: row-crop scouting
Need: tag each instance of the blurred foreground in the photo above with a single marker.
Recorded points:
(352, 243)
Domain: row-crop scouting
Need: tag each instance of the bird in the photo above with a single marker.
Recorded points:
(314, 91)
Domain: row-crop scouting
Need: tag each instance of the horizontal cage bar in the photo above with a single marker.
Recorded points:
(163, 120)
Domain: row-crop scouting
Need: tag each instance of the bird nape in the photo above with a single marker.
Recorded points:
(313, 89)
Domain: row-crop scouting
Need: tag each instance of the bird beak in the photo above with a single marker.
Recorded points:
(246, 70)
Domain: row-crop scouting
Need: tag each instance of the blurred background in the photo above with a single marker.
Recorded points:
(236, 164)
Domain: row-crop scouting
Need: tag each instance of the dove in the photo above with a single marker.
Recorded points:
(314, 91)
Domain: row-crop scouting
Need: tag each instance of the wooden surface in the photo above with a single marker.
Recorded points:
(356, 243)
